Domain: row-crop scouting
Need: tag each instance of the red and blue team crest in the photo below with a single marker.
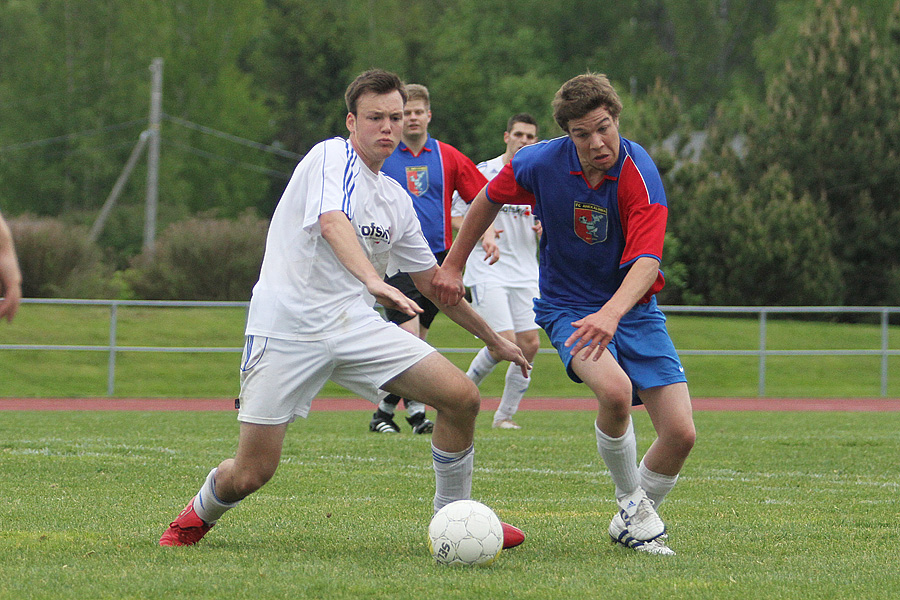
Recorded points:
(591, 222)
(417, 180)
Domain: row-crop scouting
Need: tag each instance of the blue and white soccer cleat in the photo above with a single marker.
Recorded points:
(638, 526)
(619, 534)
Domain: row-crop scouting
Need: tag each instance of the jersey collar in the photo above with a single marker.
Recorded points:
(402, 147)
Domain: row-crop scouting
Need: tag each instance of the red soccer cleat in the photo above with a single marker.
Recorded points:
(186, 529)
(512, 536)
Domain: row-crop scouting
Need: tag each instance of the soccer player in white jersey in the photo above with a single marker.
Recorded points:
(503, 279)
(339, 226)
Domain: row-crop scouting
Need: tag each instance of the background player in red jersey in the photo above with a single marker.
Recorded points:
(601, 204)
(431, 171)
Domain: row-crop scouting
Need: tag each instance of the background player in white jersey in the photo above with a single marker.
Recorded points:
(339, 225)
(10, 275)
(503, 290)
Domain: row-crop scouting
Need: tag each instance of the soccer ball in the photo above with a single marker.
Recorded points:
(465, 532)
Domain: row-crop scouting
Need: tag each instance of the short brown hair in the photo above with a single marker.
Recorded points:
(582, 94)
(375, 81)
(520, 118)
(414, 91)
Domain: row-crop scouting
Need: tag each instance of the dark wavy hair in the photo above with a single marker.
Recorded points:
(376, 81)
(582, 94)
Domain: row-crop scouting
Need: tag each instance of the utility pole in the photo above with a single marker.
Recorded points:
(117, 188)
(156, 69)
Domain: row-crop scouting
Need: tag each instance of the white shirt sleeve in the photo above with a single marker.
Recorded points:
(330, 172)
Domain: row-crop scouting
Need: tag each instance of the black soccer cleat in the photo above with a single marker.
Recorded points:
(383, 422)
(420, 424)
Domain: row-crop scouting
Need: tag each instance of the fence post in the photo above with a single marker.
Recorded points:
(111, 368)
(762, 352)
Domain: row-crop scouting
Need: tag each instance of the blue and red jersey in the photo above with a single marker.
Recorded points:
(431, 177)
(591, 235)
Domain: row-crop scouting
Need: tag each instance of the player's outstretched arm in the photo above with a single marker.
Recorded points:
(448, 284)
(464, 315)
(338, 232)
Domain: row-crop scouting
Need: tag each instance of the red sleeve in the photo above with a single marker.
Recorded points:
(643, 222)
(643, 219)
(464, 176)
(504, 189)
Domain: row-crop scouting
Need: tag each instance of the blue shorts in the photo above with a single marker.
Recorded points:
(641, 345)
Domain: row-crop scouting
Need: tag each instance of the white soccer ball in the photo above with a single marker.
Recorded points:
(465, 532)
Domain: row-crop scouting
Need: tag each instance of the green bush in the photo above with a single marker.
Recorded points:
(202, 259)
(59, 260)
(757, 246)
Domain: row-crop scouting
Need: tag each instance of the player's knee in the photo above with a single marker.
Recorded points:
(458, 401)
(466, 400)
(530, 348)
(617, 402)
(470, 399)
(681, 441)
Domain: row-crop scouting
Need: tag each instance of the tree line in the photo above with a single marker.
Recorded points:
(774, 122)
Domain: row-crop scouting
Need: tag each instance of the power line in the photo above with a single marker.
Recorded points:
(234, 138)
(71, 136)
(225, 159)
(87, 149)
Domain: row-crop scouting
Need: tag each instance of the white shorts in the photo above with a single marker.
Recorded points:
(505, 308)
(280, 378)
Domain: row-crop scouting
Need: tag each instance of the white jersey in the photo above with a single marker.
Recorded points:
(304, 292)
(518, 264)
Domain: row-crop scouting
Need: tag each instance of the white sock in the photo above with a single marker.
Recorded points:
(481, 366)
(413, 407)
(387, 402)
(452, 475)
(656, 485)
(513, 392)
(207, 505)
(620, 456)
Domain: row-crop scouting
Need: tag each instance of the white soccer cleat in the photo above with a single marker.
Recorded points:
(505, 424)
(639, 516)
(618, 534)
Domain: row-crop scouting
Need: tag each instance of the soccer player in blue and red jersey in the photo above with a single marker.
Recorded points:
(601, 202)
(430, 171)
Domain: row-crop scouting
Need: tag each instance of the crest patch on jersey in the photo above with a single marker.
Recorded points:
(591, 222)
(417, 180)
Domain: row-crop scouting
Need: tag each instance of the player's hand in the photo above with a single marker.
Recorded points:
(12, 296)
(448, 286)
(390, 297)
(491, 249)
(593, 332)
(538, 228)
(503, 349)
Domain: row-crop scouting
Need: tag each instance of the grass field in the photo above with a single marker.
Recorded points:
(33, 373)
(770, 505)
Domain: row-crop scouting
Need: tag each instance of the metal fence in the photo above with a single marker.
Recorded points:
(761, 351)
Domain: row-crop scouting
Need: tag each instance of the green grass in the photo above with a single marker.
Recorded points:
(770, 505)
(33, 373)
